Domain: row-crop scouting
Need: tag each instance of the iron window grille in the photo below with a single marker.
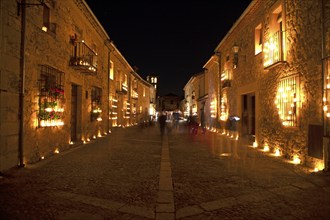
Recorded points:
(51, 97)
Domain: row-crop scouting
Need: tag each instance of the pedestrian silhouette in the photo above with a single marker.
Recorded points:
(162, 125)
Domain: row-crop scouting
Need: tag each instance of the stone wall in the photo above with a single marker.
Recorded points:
(9, 83)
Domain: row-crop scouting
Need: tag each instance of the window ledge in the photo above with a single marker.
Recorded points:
(275, 64)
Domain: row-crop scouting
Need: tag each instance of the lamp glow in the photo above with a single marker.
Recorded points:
(266, 148)
(296, 159)
(277, 153)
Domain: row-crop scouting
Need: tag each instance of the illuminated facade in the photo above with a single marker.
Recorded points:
(195, 92)
(270, 70)
(153, 80)
(76, 86)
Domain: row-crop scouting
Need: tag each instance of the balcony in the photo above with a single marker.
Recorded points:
(273, 50)
(134, 94)
(121, 88)
(83, 58)
(226, 83)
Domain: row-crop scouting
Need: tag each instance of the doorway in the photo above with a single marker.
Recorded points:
(248, 115)
(74, 111)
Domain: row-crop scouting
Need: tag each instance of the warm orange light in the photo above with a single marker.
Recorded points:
(296, 159)
(288, 100)
(51, 123)
(277, 152)
(266, 148)
(318, 166)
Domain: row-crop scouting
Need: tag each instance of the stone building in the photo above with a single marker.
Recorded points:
(169, 102)
(272, 71)
(196, 96)
(153, 80)
(63, 81)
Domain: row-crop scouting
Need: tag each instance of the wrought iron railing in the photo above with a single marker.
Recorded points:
(273, 49)
(288, 100)
(121, 88)
(83, 58)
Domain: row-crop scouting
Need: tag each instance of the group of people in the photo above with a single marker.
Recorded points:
(192, 124)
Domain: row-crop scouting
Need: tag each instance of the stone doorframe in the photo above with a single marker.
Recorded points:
(249, 90)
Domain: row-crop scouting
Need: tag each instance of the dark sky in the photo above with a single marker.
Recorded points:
(171, 39)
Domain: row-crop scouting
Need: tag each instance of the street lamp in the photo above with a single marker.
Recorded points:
(235, 50)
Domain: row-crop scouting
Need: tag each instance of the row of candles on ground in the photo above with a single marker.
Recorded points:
(277, 152)
(85, 141)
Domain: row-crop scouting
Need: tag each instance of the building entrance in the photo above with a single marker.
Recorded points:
(248, 115)
(74, 111)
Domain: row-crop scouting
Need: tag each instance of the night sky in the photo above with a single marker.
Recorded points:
(171, 39)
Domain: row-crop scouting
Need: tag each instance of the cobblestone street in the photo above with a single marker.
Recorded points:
(130, 174)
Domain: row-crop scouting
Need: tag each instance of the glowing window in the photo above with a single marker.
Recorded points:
(111, 70)
(274, 45)
(258, 39)
(223, 108)
(96, 111)
(326, 96)
(51, 97)
(287, 100)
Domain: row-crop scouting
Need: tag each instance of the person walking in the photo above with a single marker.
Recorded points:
(203, 121)
(162, 124)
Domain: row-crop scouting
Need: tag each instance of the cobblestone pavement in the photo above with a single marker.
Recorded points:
(130, 174)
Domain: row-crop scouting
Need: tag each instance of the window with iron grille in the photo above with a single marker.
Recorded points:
(51, 96)
(288, 100)
(96, 113)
